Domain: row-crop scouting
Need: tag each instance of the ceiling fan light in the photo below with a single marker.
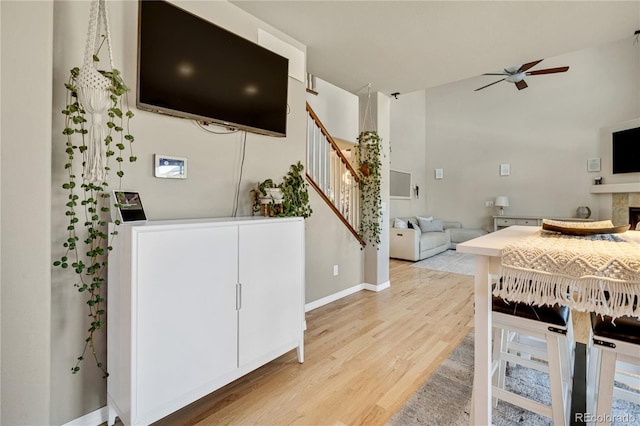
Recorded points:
(515, 78)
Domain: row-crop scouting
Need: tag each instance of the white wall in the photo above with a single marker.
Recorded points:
(546, 132)
(26, 202)
(337, 109)
(408, 151)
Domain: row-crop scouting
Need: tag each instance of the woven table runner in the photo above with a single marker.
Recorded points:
(598, 273)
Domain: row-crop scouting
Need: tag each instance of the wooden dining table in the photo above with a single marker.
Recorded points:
(487, 250)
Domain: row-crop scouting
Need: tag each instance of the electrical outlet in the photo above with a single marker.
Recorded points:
(488, 203)
(335, 270)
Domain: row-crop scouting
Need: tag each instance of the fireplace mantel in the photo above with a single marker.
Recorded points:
(613, 188)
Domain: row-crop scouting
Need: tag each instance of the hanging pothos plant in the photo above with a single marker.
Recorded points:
(88, 241)
(294, 198)
(369, 151)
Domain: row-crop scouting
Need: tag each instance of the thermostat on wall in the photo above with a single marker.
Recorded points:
(170, 167)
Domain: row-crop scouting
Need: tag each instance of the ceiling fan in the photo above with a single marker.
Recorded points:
(516, 75)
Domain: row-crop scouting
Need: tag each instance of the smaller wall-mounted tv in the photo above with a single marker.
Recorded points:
(626, 151)
(191, 68)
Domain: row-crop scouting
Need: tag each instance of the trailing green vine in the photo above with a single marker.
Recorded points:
(88, 202)
(295, 195)
(369, 151)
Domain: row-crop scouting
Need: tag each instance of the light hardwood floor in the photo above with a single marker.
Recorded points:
(365, 354)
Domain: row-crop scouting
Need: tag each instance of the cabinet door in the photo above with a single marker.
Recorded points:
(271, 275)
(185, 324)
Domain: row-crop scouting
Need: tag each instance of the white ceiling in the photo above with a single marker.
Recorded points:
(403, 46)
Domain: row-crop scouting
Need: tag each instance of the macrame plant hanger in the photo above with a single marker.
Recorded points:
(94, 94)
(368, 113)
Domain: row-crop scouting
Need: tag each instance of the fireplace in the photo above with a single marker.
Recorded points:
(634, 216)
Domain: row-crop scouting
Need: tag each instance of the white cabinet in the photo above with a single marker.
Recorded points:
(196, 304)
(266, 321)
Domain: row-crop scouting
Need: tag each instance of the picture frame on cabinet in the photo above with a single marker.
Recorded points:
(129, 206)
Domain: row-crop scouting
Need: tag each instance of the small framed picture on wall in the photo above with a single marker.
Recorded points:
(593, 165)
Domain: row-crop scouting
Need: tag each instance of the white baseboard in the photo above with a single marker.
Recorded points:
(377, 287)
(101, 415)
(344, 293)
(95, 418)
(333, 297)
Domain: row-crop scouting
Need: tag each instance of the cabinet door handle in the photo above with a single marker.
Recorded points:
(238, 296)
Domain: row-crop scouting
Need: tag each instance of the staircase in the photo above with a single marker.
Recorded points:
(331, 174)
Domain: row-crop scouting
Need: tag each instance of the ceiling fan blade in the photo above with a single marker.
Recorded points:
(528, 65)
(521, 85)
(495, 73)
(548, 71)
(491, 84)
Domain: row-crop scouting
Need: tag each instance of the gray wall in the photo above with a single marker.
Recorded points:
(546, 133)
(333, 244)
(43, 317)
(26, 201)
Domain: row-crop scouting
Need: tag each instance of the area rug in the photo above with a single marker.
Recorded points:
(449, 261)
(445, 398)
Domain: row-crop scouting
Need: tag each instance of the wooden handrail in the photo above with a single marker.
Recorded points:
(335, 210)
(344, 201)
(333, 143)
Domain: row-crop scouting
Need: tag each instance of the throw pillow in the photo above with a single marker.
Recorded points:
(434, 225)
(414, 221)
(414, 226)
(399, 223)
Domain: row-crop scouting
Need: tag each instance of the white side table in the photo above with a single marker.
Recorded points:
(500, 222)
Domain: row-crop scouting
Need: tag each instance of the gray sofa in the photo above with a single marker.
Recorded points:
(414, 243)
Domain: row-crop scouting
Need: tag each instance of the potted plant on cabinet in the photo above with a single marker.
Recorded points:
(267, 197)
(288, 198)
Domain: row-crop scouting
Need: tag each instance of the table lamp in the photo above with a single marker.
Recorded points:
(502, 201)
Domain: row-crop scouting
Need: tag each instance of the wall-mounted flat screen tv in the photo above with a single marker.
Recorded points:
(191, 68)
(626, 151)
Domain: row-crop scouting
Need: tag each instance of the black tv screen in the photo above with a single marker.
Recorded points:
(626, 151)
(191, 68)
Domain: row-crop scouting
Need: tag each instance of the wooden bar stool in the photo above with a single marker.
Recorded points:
(530, 335)
(614, 357)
